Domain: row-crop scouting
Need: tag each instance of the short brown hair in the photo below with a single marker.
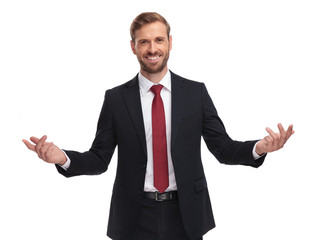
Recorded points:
(146, 18)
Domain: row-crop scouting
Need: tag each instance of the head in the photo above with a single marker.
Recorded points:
(147, 18)
(151, 42)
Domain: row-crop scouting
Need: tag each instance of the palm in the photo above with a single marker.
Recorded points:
(274, 141)
(46, 150)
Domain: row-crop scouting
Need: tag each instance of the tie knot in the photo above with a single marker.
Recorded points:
(156, 89)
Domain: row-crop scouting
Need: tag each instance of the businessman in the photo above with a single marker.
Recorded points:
(157, 120)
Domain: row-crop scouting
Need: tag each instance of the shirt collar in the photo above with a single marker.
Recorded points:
(145, 84)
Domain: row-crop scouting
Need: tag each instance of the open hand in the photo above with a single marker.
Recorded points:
(274, 141)
(46, 150)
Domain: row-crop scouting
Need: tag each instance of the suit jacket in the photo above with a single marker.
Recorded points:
(121, 124)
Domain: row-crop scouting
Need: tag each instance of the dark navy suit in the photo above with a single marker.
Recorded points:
(121, 124)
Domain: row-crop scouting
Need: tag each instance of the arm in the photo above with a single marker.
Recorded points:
(229, 151)
(219, 143)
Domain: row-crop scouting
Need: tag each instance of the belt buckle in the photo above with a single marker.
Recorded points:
(157, 197)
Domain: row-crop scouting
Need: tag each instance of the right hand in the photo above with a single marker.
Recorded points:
(46, 150)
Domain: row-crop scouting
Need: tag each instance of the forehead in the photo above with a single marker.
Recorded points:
(151, 30)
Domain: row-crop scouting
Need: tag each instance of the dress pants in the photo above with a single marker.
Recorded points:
(160, 221)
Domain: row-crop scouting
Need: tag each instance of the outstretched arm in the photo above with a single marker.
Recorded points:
(274, 141)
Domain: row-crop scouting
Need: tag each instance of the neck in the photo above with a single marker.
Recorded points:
(154, 77)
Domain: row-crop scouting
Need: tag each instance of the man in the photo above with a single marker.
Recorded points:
(157, 120)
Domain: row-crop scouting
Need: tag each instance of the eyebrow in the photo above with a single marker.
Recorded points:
(145, 39)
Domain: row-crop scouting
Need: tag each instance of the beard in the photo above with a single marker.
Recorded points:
(156, 68)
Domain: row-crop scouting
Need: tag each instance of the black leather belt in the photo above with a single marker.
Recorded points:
(166, 196)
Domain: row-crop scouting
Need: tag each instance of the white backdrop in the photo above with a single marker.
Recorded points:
(58, 58)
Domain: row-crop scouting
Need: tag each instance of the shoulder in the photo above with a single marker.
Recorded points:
(116, 91)
(179, 80)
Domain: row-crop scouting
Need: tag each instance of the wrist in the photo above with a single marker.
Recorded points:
(64, 160)
(259, 149)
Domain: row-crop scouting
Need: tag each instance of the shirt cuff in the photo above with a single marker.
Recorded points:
(67, 163)
(255, 155)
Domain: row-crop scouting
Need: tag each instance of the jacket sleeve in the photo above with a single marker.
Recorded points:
(96, 160)
(219, 143)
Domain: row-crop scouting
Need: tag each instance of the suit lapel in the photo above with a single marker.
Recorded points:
(178, 98)
(132, 99)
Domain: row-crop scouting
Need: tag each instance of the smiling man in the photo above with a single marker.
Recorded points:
(152, 44)
(157, 120)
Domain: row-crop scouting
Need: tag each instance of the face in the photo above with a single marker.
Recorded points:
(152, 47)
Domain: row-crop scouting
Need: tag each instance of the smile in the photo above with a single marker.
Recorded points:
(153, 58)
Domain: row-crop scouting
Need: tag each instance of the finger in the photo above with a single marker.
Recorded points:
(40, 143)
(43, 150)
(269, 147)
(281, 129)
(34, 139)
(283, 135)
(269, 140)
(265, 142)
(48, 152)
(290, 131)
(29, 145)
(274, 136)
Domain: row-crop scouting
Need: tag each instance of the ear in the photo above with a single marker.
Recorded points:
(170, 41)
(133, 48)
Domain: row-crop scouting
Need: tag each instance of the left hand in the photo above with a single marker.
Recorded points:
(274, 141)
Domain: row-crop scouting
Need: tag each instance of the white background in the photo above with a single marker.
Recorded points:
(58, 57)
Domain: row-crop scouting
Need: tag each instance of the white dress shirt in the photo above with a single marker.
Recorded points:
(147, 96)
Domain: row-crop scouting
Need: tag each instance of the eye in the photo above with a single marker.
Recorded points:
(160, 40)
(142, 42)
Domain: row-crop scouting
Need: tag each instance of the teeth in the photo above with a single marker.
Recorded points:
(153, 58)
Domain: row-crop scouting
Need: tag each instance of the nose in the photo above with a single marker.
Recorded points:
(152, 48)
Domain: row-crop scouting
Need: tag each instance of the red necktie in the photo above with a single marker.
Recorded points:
(160, 163)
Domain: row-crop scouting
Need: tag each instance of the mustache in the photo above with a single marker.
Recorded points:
(157, 53)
